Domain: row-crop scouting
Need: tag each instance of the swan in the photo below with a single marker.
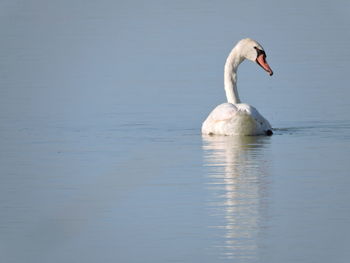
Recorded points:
(234, 117)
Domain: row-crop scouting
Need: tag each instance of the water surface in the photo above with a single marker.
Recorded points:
(102, 159)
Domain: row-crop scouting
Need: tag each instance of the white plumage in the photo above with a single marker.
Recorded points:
(234, 117)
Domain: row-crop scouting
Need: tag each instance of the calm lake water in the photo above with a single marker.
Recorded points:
(102, 159)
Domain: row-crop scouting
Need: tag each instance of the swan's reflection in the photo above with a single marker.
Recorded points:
(238, 179)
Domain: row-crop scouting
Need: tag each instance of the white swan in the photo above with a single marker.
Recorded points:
(234, 117)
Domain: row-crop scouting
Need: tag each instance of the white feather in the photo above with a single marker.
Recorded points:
(234, 117)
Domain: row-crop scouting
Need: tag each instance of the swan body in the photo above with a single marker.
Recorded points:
(234, 117)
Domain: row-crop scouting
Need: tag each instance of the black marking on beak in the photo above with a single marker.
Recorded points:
(260, 52)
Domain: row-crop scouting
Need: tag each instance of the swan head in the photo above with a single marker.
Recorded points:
(253, 51)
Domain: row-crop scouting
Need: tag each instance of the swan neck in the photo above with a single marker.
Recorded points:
(230, 76)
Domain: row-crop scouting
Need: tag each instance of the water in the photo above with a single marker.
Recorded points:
(101, 154)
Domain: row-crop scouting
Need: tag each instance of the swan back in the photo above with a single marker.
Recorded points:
(235, 119)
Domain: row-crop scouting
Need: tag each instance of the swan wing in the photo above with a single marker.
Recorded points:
(218, 118)
(223, 112)
(230, 119)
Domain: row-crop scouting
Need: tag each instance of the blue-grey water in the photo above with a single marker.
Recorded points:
(102, 159)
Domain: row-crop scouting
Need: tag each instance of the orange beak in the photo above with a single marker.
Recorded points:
(261, 60)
